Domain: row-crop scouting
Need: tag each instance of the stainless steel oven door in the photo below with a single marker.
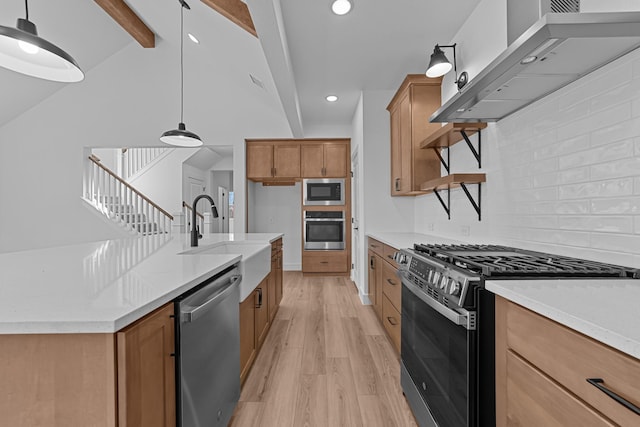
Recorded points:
(439, 356)
(324, 234)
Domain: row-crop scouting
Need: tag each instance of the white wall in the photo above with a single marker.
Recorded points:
(278, 209)
(563, 174)
(609, 5)
(128, 100)
(381, 211)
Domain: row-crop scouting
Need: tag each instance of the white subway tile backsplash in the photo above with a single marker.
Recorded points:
(619, 168)
(563, 174)
(609, 224)
(611, 188)
(621, 206)
(574, 175)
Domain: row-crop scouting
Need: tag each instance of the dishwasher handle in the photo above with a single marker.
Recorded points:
(188, 316)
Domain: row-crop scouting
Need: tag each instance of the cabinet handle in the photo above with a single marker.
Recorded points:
(598, 383)
(390, 257)
(259, 298)
(397, 184)
(372, 262)
(324, 262)
(391, 282)
(392, 320)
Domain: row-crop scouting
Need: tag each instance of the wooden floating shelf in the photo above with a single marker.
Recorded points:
(450, 134)
(453, 181)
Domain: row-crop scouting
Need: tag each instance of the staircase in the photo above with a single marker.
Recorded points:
(121, 203)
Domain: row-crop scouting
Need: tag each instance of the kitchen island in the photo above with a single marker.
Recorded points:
(65, 311)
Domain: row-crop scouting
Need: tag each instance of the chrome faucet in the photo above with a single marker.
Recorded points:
(194, 230)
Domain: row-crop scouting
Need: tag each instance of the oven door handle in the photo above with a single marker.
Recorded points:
(463, 317)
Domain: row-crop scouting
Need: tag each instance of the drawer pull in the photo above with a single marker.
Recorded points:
(392, 320)
(324, 262)
(390, 257)
(391, 282)
(598, 383)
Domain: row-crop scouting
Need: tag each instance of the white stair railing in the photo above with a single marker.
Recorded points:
(136, 159)
(122, 203)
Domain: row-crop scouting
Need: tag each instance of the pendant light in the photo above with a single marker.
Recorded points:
(21, 50)
(181, 137)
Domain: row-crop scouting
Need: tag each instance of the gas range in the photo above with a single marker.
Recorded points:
(448, 272)
(448, 323)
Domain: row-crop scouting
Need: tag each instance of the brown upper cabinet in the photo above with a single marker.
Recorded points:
(324, 159)
(412, 105)
(273, 160)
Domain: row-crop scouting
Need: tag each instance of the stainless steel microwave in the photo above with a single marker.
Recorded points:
(323, 192)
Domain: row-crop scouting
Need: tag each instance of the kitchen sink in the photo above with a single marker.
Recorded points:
(254, 265)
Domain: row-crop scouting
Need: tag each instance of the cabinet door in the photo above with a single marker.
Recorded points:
(146, 371)
(286, 160)
(247, 335)
(259, 161)
(279, 276)
(335, 160)
(396, 154)
(533, 400)
(271, 291)
(406, 149)
(375, 283)
(312, 156)
(262, 312)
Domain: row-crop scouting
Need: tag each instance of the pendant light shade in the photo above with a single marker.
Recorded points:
(439, 65)
(21, 50)
(181, 137)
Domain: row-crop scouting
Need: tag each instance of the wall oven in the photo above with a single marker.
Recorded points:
(324, 230)
(323, 192)
(448, 323)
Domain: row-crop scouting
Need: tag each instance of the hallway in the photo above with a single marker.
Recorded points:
(326, 362)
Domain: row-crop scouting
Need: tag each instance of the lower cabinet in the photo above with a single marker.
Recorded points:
(333, 262)
(385, 288)
(146, 371)
(258, 310)
(543, 371)
(124, 379)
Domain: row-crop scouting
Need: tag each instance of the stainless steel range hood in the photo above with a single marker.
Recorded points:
(566, 46)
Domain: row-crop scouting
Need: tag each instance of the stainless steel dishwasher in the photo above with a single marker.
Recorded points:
(208, 352)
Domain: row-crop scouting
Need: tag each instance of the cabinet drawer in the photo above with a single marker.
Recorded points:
(376, 246)
(391, 320)
(533, 400)
(389, 251)
(570, 358)
(391, 285)
(329, 263)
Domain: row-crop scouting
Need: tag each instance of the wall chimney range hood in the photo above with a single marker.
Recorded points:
(561, 48)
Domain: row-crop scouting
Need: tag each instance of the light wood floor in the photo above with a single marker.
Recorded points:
(326, 362)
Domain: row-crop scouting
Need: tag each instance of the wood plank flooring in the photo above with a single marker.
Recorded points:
(326, 362)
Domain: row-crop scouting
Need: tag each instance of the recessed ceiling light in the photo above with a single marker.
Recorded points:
(331, 98)
(193, 38)
(341, 7)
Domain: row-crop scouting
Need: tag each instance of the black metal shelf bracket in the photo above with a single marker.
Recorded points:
(475, 205)
(476, 153)
(445, 163)
(447, 205)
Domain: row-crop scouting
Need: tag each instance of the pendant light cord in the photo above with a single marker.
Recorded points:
(26, 7)
(181, 63)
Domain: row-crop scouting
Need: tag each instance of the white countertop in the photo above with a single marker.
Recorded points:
(406, 240)
(605, 310)
(104, 286)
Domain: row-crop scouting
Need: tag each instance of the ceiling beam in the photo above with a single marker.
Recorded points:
(127, 18)
(234, 10)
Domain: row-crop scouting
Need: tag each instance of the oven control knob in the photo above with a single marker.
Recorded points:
(436, 278)
(443, 283)
(454, 288)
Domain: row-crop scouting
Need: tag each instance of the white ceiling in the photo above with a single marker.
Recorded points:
(373, 47)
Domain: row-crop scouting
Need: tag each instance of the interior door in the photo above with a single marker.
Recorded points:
(223, 210)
